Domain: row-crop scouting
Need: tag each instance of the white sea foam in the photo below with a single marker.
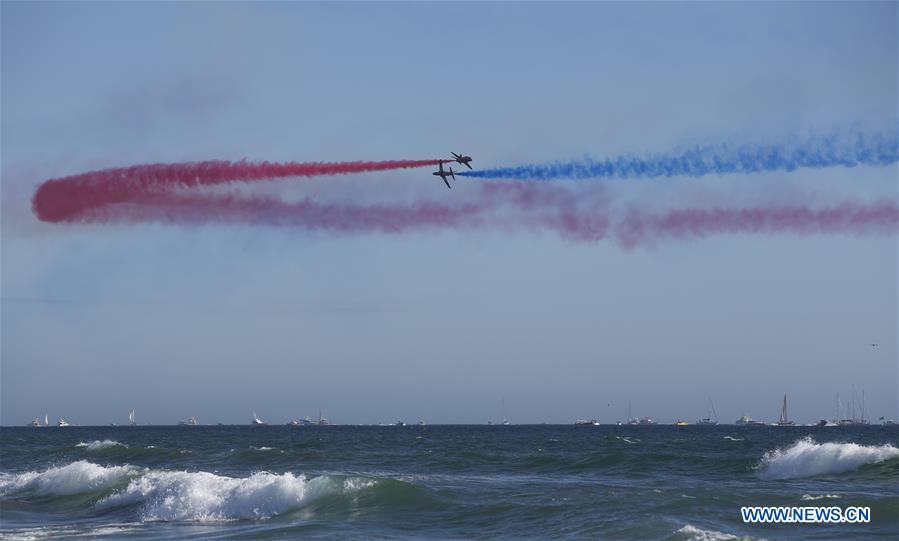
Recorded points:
(202, 496)
(731, 438)
(810, 497)
(692, 533)
(97, 444)
(58, 532)
(807, 458)
(75, 478)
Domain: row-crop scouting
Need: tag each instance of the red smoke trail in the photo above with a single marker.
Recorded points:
(64, 199)
(201, 209)
(849, 217)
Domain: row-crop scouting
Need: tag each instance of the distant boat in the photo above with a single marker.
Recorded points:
(888, 422)
(506, 422)
(421, 422)
(584, 422)
(783, 421)
(711, 417)
(131, 418)
(295, 422)
(399, 423)
(257, 421)
(321, 419)
(746, 420)
(62, 422)
(681, 423)
(855, 411)
(35, 423)
(635, 421)
(190, 421)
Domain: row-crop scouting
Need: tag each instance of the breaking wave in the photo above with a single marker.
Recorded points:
(76, 478)
(202, 496)
(807, 458)
(692, 533)
(163, 496)
(97, 444)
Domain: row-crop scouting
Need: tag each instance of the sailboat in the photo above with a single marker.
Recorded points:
(711, 417)
(131, 418)
(321, 419)
(257, 421)
(35, 423)
(853, 417)
(783, 421)
(62, 422)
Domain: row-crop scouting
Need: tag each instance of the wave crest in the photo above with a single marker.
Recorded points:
(97, 444)
(75, 478)
(202, 496)
(807, 458)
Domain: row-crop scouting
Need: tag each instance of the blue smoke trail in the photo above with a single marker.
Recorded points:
(876, 148)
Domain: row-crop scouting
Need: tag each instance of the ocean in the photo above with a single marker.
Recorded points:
(441, 481)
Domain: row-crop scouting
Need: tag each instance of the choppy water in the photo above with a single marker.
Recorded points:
(347, 482)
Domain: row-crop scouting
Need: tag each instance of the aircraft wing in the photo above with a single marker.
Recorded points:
(447, 183)
(467, 165)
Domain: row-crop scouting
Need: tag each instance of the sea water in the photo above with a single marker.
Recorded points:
(443, 482)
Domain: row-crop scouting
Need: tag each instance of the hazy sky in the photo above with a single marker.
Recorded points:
(218, 321)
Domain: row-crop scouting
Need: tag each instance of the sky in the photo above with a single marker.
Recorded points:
(218, 320)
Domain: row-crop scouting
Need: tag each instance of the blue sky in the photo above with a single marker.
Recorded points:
(217, 321)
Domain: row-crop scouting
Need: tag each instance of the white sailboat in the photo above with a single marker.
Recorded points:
(257, 421)
(783, 421)
(190, 421)
(131, 418)
(711, 417)
(855, 411)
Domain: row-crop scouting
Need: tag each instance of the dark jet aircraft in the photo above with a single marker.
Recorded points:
(443, 174)
(464, 160)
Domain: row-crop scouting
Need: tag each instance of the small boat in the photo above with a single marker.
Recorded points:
(399, 423)
(888, 422)
(190, 421)
(711, 417)
(585, 422)
(421, 422)
(131, 418)
(35, 423)
(783, 421)
(62, 422)
(295, 422)
(321, 419)
(681, 423)
(646, 421)
(257, 421)
(746, 420)
(506, 422)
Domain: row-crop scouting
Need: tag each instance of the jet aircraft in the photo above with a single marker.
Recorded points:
(464, 160)
(443, 174)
